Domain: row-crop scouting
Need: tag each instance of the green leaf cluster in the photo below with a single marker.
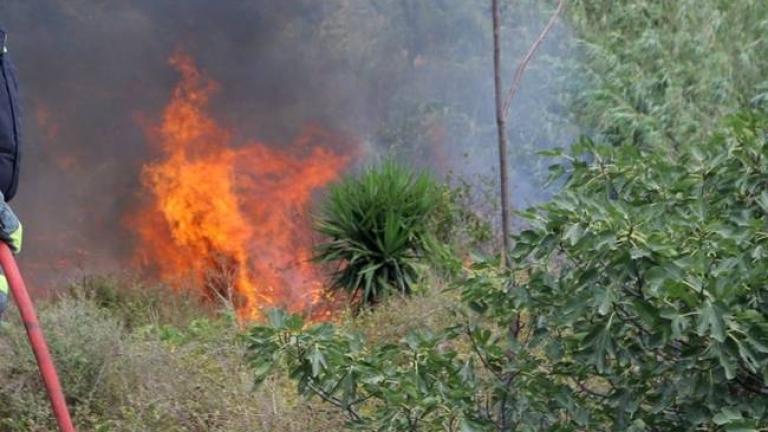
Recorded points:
(647, 273)
(376, 228)
(410, 385)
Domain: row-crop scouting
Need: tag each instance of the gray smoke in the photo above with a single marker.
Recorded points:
(404, 76)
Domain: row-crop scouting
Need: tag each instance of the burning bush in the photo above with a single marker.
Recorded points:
(232, 218)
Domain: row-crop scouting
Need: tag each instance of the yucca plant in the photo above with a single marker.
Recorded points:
(376, 229)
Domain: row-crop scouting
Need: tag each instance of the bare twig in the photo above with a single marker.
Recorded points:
(523, 65)
(483, 360)
(334, 401)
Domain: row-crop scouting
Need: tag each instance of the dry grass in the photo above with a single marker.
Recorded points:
(131, 361)
(134, 358)
(428, 309)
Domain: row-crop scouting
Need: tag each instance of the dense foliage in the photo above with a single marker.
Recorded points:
(640, 304)
(657, 310)
(376, 229)
(664, 73)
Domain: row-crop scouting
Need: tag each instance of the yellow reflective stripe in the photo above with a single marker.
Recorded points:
(3, 284)
(16, 239)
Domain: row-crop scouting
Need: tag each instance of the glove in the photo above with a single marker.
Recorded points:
(11, 231)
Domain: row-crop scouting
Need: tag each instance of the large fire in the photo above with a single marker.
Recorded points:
(232, 220)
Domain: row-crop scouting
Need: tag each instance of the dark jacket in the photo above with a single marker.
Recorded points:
(10, 123)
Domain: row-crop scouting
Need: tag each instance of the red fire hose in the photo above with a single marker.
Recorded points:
(36, 339)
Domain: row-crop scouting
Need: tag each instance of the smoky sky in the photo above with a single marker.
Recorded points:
(412, 76)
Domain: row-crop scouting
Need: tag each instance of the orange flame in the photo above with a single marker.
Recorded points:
(232, 218)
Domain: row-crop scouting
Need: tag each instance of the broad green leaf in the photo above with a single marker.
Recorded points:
(711, 321)
(317, 360)
(726, 415)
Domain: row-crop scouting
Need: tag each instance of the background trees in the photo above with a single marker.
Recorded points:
(664, 73)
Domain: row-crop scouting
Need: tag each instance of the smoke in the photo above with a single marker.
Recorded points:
(409, 77)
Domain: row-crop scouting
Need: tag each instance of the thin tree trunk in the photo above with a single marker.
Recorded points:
(501, 129)
(502, 109)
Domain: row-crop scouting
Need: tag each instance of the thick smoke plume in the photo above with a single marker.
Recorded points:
(406, 76)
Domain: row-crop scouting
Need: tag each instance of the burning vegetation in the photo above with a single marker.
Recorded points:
(232, 220)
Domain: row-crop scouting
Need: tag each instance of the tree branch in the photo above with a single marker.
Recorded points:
(334, 401)
(483, 360)
(523, 65)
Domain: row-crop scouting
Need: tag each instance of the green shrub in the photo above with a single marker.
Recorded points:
(657, 315)
(405, 386)
(377, 228)
(645, 289)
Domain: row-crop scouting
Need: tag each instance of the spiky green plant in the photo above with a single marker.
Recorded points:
(376, 229)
